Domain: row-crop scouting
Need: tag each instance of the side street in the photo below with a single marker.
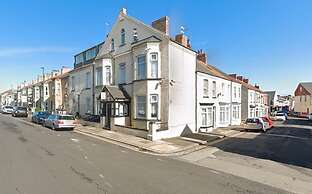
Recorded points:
(143, 111)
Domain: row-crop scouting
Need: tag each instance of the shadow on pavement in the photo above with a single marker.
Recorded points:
(284, 144)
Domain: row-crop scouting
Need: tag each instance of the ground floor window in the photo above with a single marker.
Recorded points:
(141, 106)
(207, 117)
(224, 114)
(154, 105)
(236, 111)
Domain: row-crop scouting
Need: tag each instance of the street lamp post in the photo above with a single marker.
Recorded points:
(42, 93)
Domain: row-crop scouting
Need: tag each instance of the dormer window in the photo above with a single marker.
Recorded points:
(122, 37)
(112, 45)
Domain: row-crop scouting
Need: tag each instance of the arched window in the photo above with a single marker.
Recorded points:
(123, 36)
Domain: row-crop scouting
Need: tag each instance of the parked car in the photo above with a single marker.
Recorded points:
(310, 117)
(283, 112)
(7, 110)
(268, 120)
(39, 117)
(56, 121)
(280, 117)
(20, 112)
(256, 124)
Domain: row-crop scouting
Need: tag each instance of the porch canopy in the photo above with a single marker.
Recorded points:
(114, 102)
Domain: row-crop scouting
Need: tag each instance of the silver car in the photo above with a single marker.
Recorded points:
(57, 121)
(7, 110)
(256, 124)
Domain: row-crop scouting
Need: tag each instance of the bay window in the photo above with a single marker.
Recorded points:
(154, 65)
(141, 106)
(122, 73)
(154, 106)
(99, 76)
(141, 67)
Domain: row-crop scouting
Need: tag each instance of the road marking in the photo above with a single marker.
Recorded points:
(86, 157)
(123, 151)
(160, 159)
(101, 175)
(58, 135)
(75, 140)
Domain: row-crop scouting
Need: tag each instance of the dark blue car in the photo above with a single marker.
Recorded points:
(38, 117)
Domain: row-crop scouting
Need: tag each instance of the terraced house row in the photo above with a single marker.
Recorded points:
(142, 81)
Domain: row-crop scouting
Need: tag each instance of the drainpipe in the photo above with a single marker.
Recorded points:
(196, 101)
(93, 88)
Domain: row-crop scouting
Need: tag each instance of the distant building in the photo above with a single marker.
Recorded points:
(303, 98)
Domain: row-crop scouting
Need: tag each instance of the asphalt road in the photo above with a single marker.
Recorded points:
(37, 160)
(289, 143)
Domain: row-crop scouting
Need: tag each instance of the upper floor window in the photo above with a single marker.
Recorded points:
(79, 58)
(234, 91)
(88, 80)
(222, 89)
(99, 76)
(205, 87)
(214, 89)
(154, 65)
(122, 73)
(141, 70)
(122, 37)
(73, 83)
(112, 44)
(108, 74)
(239, 92)
(91, 54)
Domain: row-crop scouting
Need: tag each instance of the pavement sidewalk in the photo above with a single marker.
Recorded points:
(227, 131)
(167, 147)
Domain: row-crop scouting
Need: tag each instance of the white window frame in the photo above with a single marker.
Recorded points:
(154, 65)
(205, 88)
(88, 80)
(122, 37)
(214, 89)
(154, 101)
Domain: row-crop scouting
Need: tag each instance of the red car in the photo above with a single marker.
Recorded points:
(267, 119)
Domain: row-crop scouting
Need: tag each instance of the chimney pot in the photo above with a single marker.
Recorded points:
(240, 78)
(246, 80)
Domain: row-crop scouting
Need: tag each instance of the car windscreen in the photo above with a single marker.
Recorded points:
(22, 108)
(280, 114)
(250, 121)
(9, 107)
(66, 117)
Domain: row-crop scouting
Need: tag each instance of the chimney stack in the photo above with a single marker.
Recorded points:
(246, 80)
(202, 56)
(183, 40)
(257, 86)
(240, 78)
(233, 75)
(162, 25)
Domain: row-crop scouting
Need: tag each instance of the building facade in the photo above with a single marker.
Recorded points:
(303, 98)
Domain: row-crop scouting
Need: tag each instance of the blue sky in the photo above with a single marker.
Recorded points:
(270, 42)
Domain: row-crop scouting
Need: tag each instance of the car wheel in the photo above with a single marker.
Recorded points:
(53, 127)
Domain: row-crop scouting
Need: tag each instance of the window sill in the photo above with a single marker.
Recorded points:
(205, 96)
(122, 45)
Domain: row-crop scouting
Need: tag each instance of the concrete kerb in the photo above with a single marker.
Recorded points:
(144, 149)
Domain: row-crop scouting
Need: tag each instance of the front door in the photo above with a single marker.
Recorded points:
(108, 113)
